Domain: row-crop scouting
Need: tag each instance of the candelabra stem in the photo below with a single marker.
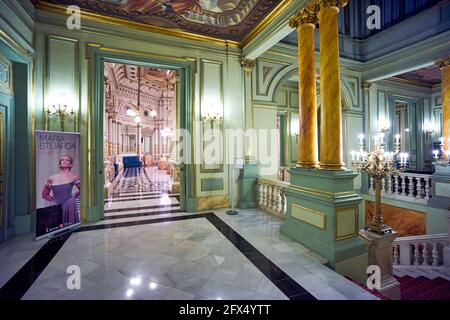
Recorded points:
(377, 218)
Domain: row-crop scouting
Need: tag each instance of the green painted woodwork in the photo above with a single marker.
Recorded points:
(211, 184)
(95, 211)
(318, 195)
(248, 188)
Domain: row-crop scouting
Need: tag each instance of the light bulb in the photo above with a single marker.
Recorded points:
(131, 112)
(153, 113)
(137, 119)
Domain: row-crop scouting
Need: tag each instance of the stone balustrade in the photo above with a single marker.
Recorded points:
(424, 251)
(410, 187)
(271, 196)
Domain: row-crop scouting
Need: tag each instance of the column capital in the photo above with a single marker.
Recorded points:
(366, 85)
(443, 62)
(332, 3)
(306, 15)
(247, 64)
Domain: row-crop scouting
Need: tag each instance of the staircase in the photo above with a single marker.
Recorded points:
(422, 288)
(420, 267)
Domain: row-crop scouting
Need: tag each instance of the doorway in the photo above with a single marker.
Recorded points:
(140, 118)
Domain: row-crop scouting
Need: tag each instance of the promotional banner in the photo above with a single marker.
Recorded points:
(57, 181)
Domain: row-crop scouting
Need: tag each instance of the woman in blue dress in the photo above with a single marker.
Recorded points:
(58, 190)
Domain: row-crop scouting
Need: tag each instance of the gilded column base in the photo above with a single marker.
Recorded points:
(307, 164)
(332, 166)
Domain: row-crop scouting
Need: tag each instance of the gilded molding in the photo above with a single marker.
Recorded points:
(366, 85)
(306, 15)
(332, 3)
(247, 64)
(443, 63)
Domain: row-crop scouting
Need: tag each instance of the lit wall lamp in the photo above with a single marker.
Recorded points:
(59, 107)
(383, 126)
(428, 128)
(442, 157)
(212, 116)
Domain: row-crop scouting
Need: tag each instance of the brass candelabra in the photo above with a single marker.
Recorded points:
(378, 164)
(444, 159)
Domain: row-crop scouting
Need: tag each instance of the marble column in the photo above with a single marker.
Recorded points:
(118, 138)
(305, 22)
(330, 86)
(445, 69)
(114, 136)
(138, 140)
(110, 128)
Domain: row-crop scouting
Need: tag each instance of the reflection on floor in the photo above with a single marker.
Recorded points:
(143, 251)
(141, 192)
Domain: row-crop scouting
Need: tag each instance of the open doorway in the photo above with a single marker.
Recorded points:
(140, 119)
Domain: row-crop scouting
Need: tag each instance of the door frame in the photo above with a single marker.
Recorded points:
(97, 56)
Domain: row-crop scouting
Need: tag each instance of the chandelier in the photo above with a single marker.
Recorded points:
(378, 164)
(135, 112)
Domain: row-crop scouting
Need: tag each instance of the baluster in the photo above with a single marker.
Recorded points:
(263, 196)
(411, 187)
(420, 187)
(266, 196)
(397, 184)
(416, 254)
(425, 254)
(371, 184)
(283, 202)
(275, 199)
(435, 254)
(427, 189)
(390, 187)
(396, 254)
(259, 195)
(394, 186)
(279, 207)
(383, 185)
(403, 186)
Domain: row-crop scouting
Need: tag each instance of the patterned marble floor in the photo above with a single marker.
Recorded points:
(146, 248)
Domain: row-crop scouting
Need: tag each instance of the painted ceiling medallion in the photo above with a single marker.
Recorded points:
(225, 19)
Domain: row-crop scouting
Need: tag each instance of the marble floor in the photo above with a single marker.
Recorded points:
(148, 249)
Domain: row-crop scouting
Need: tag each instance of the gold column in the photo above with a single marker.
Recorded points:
(330, 86)
(445, 69)
(138, 140)
(305, 22)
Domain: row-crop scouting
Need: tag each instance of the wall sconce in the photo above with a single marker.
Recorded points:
(59, 108)
(428, 128)
(211, 118)
(383, 126)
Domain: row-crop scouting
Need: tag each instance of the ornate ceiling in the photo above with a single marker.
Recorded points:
(429, 76)
(156, 90)
(224, 19)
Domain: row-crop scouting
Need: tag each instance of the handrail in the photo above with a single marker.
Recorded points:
(427, 237)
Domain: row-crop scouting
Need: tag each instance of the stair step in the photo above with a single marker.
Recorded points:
(440, 293)
(412, 283)
(423, 288)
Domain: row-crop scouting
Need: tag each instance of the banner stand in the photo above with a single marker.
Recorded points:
(238, 164)
(57, 183)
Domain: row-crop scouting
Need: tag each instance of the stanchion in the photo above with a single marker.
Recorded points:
(238, 164)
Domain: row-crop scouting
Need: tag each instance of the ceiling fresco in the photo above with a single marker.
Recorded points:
(429, 76)
(224, 19)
